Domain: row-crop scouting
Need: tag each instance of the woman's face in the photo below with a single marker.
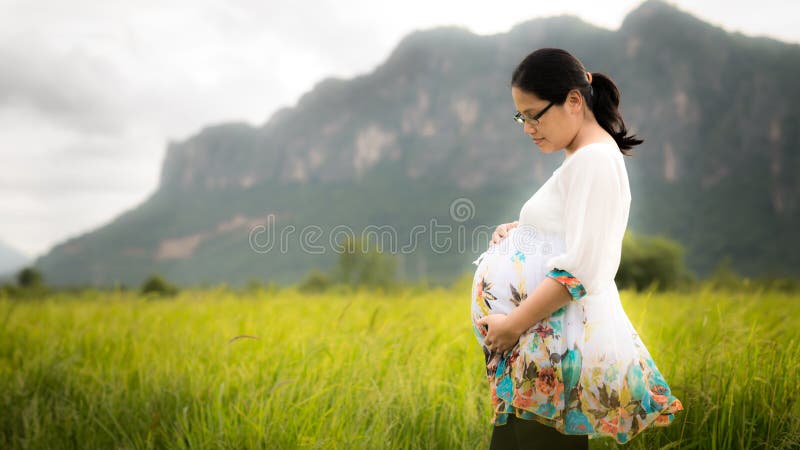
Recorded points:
(557, 126)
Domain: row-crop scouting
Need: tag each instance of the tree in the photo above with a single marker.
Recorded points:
(316, 281)
(29, 277)
(648, 260)
(360, 265)
(157, 285)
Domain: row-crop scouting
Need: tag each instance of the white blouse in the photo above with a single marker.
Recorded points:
(586, 199)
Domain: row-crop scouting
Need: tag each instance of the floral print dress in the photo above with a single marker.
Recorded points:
(583, 370)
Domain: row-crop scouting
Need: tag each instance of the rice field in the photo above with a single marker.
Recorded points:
(357, 369)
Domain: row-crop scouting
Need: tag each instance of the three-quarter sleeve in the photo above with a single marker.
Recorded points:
(569, 281)
(594, 187)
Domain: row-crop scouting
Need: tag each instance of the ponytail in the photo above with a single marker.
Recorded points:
(605, 106)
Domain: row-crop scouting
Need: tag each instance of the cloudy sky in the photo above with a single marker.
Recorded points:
(91, 90)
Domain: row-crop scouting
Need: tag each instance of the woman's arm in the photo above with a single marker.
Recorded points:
(596, 201)
(504, 330)
(547, 298)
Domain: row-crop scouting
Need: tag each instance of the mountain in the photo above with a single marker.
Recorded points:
(11, 260)
(428, 135)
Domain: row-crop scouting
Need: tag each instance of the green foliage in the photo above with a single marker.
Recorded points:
(30, 285)
(157, 285)
(316, 281)
(29, 277)
(725, 277)
(360, 264)
(781, 284)
(7, 290)
(255, 286)
(651, 262)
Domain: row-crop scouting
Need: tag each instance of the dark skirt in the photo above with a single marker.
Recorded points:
(524, 434)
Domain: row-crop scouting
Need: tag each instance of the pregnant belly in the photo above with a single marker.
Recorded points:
(509, 270)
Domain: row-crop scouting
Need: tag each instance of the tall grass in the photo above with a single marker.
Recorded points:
(357, 369)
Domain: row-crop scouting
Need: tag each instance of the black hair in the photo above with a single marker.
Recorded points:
(551, 73)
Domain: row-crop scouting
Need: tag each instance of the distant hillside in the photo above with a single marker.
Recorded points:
(11, 260)
(432, 124)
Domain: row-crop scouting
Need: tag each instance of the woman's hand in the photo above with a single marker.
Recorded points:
(502, 231)
(500, 336)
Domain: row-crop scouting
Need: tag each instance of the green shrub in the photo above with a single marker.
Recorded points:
(315, 281)
(651, 261)
(156, 285)
(30, 285)
(29, 277)
(359, 265)
(782, 284)
(724, 276)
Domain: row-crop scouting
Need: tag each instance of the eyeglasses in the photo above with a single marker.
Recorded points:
(522, 119)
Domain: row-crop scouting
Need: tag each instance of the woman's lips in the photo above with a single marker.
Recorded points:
(538, 141)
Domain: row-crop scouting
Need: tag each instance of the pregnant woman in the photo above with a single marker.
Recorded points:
(564, 362)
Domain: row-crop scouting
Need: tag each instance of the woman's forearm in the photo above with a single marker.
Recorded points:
(547, 298)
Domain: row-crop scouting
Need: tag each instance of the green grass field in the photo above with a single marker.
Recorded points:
(357, 369)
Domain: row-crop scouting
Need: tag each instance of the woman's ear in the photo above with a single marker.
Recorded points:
(575, 101)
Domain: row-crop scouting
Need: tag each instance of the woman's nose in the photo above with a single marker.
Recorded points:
(529, 129)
